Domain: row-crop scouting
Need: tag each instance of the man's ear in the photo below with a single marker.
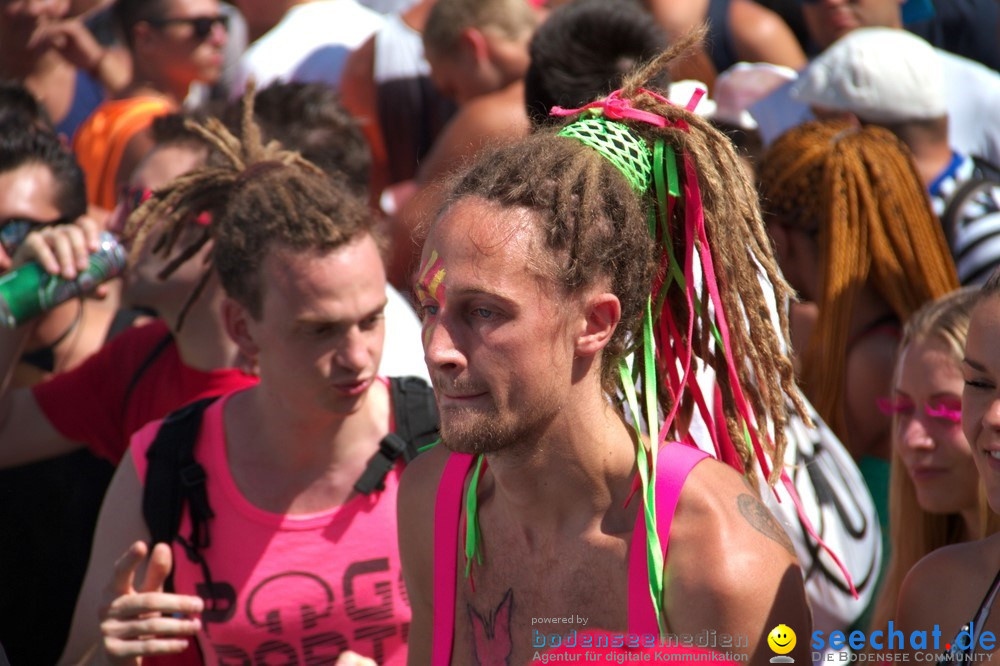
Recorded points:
(237, 320)
(472, 44)
(602, 312)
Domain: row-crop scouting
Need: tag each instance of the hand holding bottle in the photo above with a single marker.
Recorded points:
(55, 264)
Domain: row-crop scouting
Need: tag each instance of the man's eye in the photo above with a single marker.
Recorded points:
(429, 310)
(483, 313)
(371, 322)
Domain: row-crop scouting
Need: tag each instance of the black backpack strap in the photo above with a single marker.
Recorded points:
(415, 412)
(174, 479)
(984, 169)
(951, 219)
(416, 417)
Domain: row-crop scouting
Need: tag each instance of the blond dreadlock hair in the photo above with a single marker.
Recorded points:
(260, 197)
(859, 189)
(594, 224)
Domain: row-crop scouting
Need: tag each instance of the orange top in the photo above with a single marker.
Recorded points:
(100, 142)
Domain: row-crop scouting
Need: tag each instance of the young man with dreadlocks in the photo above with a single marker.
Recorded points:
(300, 566)
(146, 371)
(552, 260)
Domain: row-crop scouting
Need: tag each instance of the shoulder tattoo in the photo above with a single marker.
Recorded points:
(762, 520)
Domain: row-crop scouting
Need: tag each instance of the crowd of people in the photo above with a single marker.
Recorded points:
(486, 331)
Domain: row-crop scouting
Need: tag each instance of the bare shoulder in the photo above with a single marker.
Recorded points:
(718, 509)
(421, 476)
(730, 565)
(415, 505)
(500, 111)
(758, 31)
(415, 519)
(966, 570)
(487, 120)
(756, 21)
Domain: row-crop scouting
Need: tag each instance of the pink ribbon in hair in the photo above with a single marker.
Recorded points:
(614, 107)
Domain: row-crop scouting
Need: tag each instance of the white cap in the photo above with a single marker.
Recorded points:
(743, 84)
(879, 74)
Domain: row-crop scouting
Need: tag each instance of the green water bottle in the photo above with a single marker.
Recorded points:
(29, 290)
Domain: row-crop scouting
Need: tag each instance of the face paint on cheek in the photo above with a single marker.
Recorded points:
(430, 286)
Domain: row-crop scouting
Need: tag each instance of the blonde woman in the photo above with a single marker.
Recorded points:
(954, 588)
(935, 497)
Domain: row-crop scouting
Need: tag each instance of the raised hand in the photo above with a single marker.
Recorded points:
(73, 40)
(141, 619)
(353, 659)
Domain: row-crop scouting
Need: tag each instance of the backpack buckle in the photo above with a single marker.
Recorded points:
(390, 449)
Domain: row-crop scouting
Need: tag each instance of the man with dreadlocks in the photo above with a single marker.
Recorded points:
(552, 260)
(305, 567)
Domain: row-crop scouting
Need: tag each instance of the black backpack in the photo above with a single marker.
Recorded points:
(175, 480)
(984, 177)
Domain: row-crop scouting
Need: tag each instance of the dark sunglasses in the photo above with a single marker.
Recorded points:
(14, 230)
(201, 25)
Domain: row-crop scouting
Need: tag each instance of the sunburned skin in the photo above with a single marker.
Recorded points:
(430, 287)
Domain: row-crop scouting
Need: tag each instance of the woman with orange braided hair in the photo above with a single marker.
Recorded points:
(855, 235)
(630, 229)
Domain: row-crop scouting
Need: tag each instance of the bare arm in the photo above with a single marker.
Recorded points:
(111, 66)
(121, 608)
(760, 35)
(25, 433)
(944, 589)
(415, 518)
(731, 567)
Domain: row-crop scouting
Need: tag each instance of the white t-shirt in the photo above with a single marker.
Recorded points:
(973, 97)
(388, 6)
(309, 44)
(402, 352)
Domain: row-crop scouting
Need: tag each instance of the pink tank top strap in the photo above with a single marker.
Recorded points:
(673, 464)
(447, 515)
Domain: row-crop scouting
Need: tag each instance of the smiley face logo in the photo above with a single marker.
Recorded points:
(781, 639)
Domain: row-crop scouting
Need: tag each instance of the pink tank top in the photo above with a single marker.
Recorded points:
(674, 462)
(293, 588)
